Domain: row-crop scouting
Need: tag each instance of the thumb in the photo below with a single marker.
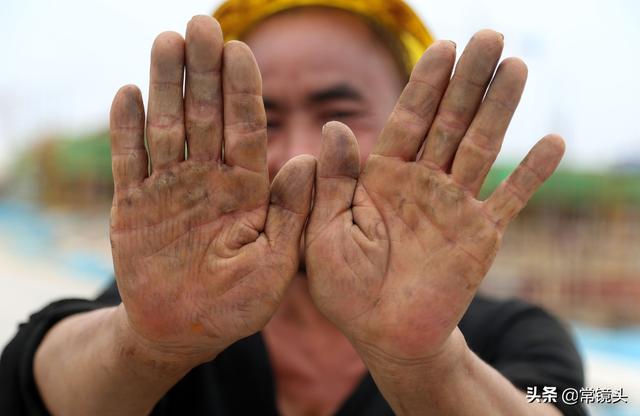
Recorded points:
(336, 179)
(290, 202)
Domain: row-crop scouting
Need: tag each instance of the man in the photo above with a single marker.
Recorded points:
(379, 316)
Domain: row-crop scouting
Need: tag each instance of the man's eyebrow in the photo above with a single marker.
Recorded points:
(337, 92)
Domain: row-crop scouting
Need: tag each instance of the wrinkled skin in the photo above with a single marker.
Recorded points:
(203, 248)
(395, 253)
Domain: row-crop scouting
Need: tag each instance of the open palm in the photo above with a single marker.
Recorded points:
(203, 248)
(396, 252)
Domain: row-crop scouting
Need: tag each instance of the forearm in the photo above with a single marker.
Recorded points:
(456, 383)
(88, 364)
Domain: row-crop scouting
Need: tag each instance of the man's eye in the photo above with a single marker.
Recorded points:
(340, 115)
(343, 114)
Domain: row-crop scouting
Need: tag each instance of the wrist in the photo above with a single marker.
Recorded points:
(405, 382)
(145, 357)
(452, 354)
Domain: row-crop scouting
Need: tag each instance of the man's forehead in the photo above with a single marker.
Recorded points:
(315, 35)
(313, 19)
(317, 48)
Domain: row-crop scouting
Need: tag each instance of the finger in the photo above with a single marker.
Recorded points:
(165, 120)
(245, 121)
(512, 195)
(336, 179)
(203, 88)
(290, 204)
(482, 142)
(126, 129)
(409, 122)
(464, 94)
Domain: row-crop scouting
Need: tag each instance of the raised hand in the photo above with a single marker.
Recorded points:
(395, 253)
(203, 248)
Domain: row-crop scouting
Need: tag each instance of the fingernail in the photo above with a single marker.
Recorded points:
(453, 43)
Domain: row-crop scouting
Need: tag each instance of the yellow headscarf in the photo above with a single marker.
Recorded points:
(395, 16)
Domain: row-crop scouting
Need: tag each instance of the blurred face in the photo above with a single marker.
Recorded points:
(320, 65)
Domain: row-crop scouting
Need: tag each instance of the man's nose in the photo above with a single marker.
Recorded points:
(297, 139)
(304, 135)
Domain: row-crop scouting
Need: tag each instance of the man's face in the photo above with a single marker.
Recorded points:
(320, 65)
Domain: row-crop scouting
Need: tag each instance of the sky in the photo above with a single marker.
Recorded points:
(62, 62)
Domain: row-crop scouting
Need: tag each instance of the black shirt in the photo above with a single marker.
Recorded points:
(524, 343)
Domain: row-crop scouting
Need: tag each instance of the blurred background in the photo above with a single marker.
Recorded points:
(575, 249)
